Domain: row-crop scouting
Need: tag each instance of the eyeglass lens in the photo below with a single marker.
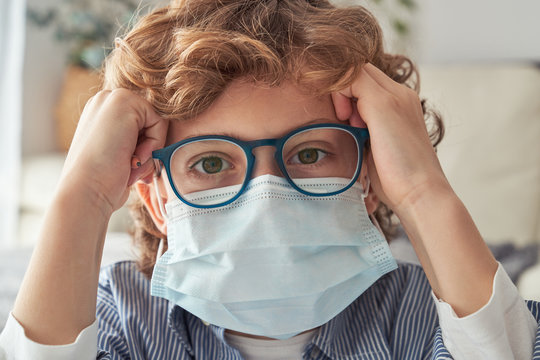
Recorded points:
(220, 164)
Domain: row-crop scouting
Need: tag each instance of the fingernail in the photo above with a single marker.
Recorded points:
(135, 162)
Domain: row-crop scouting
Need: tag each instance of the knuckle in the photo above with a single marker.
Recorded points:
(98, 98)
(120, 95)
(102, 94)
(411, 94)
(392, 102)
(405, 96)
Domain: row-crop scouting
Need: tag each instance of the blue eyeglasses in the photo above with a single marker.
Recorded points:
(198, 165)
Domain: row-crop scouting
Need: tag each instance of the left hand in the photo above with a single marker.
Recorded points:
(406, 175)
(402, 163)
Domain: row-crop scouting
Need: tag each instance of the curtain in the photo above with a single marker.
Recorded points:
(12, 30)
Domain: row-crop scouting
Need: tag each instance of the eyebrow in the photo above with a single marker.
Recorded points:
(234, 135)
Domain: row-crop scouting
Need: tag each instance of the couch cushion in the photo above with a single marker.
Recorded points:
(491, 151)
(40, 174)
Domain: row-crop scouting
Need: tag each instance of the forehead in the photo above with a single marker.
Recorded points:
(252, 111)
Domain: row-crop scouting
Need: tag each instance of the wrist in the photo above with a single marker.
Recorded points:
(456, 260)
(73, 195)
(57, 298)
(426, 198)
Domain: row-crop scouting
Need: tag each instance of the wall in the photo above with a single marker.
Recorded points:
(443, 32)
(475, 31)
(43, 71)
(45, 61)
(461, 31)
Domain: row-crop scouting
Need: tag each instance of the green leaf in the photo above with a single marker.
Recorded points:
(400, 26)
(409, 4)
(41, 18)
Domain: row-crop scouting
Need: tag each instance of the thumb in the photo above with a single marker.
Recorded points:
(355, 119)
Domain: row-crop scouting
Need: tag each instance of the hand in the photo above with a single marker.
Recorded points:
(406, 175)
(402, 163)
(116, 130)
(57, 298)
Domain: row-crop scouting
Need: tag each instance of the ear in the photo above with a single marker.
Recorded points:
(371, 200)
(148, 195)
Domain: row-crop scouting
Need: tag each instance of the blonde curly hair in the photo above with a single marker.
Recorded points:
(183, 56)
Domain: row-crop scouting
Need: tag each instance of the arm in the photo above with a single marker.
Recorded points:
(457, 262)
(58, 296)
(16, 345)
(406, 175)
(504, 328)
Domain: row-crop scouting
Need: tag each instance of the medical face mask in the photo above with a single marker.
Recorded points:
(274, 262)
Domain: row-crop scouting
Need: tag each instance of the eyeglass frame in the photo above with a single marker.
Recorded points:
(164, 155)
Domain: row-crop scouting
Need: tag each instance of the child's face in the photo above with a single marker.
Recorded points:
(249, 112)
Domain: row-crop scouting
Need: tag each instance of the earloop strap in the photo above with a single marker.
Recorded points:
(376, 223)
(366, 190)
(160, 249)
(371, 216)
(160, 200)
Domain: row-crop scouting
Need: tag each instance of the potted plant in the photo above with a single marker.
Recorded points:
(87, 28)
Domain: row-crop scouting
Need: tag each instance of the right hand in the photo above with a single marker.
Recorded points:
(114, 127)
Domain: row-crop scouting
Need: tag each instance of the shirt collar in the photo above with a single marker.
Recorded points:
(354, 332)
(177, 322)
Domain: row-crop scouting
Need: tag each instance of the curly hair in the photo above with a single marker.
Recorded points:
(183, 56)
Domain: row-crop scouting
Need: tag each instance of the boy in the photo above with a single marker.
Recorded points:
(254, 219)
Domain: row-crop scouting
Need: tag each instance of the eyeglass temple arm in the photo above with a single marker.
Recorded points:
(158, 168)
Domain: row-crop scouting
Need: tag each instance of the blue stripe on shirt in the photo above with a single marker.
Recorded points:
(395, 318)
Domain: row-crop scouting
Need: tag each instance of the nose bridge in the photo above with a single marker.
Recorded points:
(265, 162)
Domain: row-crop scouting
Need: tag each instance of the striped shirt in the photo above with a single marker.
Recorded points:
(396, 318)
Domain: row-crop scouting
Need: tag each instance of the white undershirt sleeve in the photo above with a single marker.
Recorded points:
(15, 345)
(503, 329)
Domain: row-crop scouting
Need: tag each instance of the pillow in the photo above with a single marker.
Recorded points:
(40, 174)
(491, 150)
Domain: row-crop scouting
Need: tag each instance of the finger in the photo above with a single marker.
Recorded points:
(368, 93)
(355, 119)
(147, 179)
(366, 86)
(346, 105)
(153, 138)
(381, 78)
(92, 106)
(365, 90)
(135, 162)
(96, 100)
(145, 171)
(342, 106)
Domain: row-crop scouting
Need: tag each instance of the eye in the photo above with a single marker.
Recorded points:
(308, 156)
(211, 165)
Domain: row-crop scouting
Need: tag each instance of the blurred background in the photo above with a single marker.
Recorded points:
(479, 65)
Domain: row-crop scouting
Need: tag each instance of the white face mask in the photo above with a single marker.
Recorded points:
(274, 262)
